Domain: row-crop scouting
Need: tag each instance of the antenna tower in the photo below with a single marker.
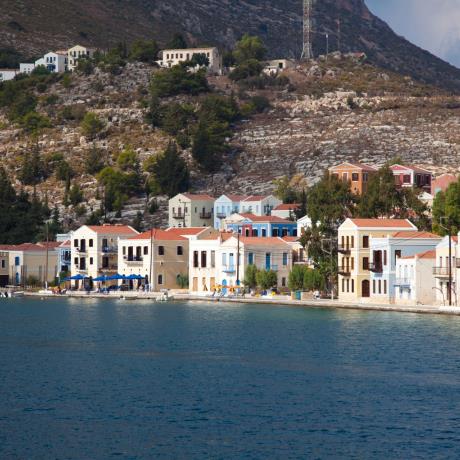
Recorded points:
(307, 50)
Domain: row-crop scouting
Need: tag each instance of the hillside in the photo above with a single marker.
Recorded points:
(331, 111)
(35, 26)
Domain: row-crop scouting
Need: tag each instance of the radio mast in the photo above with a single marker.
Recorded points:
(307, 50)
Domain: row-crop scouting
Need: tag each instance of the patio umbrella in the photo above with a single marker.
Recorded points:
(75, 278)
(116, 277)
(101, 278)
(134, 277)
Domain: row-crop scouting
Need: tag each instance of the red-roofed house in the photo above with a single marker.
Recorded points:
(259, 205)
(191, 210)
(95, 249)
(265, 226)
(357, 174)
(441, 270)
(442, 182)
(412, 176)
(415, 283)
(286, 211)
(161, 257)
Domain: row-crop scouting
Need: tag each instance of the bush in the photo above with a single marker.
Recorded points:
(296, 278)
(75, 195)
(94, 161)
(144, 51)
(178, 80)
(33, 122)
(91, 125)
(182, 281)
(251, 68)
(266, 279)
(74, 112)
(250, 276)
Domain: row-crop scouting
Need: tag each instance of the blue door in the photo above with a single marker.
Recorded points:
(268, 264)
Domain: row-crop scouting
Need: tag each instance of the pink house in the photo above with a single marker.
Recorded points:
(442, 182)
(412, 176)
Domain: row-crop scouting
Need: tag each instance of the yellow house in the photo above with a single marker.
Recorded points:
(77, 52)
(354, 253)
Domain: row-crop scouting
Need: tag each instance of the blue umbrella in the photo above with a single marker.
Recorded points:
(101, 278)
(75, 278)
(116, 277)
(135, 277)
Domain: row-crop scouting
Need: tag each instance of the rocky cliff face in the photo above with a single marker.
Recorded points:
(38, 25)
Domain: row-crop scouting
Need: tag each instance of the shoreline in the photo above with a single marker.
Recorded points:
(317, 304)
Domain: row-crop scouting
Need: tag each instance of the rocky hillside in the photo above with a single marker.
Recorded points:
(35, 26)
(335, 110)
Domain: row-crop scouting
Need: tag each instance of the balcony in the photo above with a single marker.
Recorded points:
(82, 270)
(344, 271)
(376, 268)
(403, 282)
(133, 259)
(229, 269)
(442, 271)
(109, 268)
(205, 215)
(81, 250)
(178, 215)
(110, 250)
(344, 249)
(221, 215)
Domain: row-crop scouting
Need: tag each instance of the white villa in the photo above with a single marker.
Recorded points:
(172, 57)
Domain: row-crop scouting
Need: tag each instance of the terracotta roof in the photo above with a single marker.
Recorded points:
(255, 218)
(416, 169)
(50, 244)
(223, 235)
(383, 223)
(287, 207)
(161, 235)
(186, 230)
(415, 234)
(201, 197)
(113, 229)
(357, 165)
(263, 241)
(255, 198)
(65, 244)
(235, 197)
(290, 239)
(431, 254)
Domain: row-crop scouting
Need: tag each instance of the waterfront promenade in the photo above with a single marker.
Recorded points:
(275, 300)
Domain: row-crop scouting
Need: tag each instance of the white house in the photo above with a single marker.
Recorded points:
(77, 52)
(94, 249)
(225, 206)
(415, 283)
(172, 57)
(276, 66)
(303, 224)
(54, 61)
(286, 211)
(259, 205)
(26, 67)
(441, 270)
(7, 74)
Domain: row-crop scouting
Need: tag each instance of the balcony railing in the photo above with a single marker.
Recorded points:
(403, 282)
(133, 259)
(205, 215)
(344, 249)
(82, 269)
(109, 249)
(178, 215)
(376, 268)
(229, 269)
(81, 250)
(442, 271)
(221, 215)
(344, 271)
(109, 268)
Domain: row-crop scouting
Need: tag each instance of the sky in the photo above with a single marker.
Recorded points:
(431, 24)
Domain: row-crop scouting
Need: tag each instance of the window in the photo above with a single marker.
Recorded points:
(146, 250)
(213, 259)
(365, 263)
(397, 254)
(124, 250)
(355, 177)
(251, 258)
(373, 287)
(384, 258)
(255, 232)
(380, 286)
(343, 284)
(203, 259)
(75, 260)
(285, 258)
(384, 286)
(17, 261)
(91, 243)
(3, 263)
(352, 244)
(161, 250)
(195, 259)
(160, 279)
(91, 261)
(352, 263)
(406, 179)
(75, 243)
(283, 282)
(365, 241)
(180, 251)
(352, 285)
(348, 285)
(224, 259)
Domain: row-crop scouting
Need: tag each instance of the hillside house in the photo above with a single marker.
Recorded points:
(7, 74)
(357, 174)
(191, 210)
(260, 226)
(172, 57)
(412, 176)
(77, 52)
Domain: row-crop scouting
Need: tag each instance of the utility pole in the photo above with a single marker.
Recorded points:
(307, 49)
(46, 263)
(449, 263)
(151, 260)
(238, 262)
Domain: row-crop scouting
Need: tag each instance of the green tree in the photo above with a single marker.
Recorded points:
(32, 170)
(94, 161)
(169, 171)
(249, 48)
(91, 125)
(313, 280)
(178, 80)
(296, 278)
(177, 42)
(33, 122)
(446, 210)
(138, 222)
(144, 51)
(266, 279)
(250, 276)
(75, 195)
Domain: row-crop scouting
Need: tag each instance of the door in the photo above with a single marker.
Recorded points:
(195, 284)
(366, 288)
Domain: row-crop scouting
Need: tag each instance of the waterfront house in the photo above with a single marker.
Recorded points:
(173, 57)
(442, 182)
(159, 257)
(354, 237)
(65, 256)
(384, 254)
(412, 177)
(30, 262)
(77, 52)
(225, 206)
(259, 205)
(214, 261)
(415, 283)
(356, 174)
(4, 268)
(442, 269)
(95, 249)
(260, 226)
(286, 211)
(191, 210)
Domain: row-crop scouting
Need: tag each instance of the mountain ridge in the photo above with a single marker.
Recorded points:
(35, 26)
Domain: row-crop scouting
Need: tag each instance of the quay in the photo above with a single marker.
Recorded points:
(275, 300)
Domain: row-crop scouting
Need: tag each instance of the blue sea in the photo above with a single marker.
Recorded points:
(101, 379)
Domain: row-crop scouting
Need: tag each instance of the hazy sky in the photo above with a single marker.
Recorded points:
(431, 24)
